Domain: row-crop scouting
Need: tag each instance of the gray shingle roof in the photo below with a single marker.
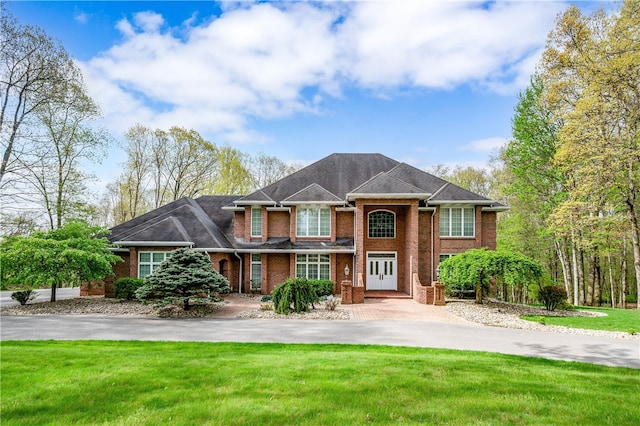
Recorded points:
(383, 185)
(201, 222)
(313, 193)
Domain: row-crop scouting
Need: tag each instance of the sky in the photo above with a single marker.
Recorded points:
(423, 82)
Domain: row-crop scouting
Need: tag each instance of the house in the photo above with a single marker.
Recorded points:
(364, 218)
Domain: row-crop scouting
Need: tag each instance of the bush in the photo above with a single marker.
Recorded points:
(295, 294)
(551, 296)
(322, 287)
(126, 287)
(24, 296)
(185, 276)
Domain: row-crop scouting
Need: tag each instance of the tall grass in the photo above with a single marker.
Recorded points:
(97, 382)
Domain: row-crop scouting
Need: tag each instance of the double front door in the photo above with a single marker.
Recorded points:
(382, 271)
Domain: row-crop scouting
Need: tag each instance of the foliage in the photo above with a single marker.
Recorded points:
(322, 287)
(185, 276)
(476, 267)
(294, 295)
(551, 296)
(331, 304)
(126, 287)
(71, 255)
(24, 296)
(188, 383)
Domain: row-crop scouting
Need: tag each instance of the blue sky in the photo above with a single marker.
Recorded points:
(425, 82)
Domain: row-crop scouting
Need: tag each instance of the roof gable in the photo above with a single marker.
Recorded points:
(337, 174)
(183, 220)
(385, 186)
(313, 193)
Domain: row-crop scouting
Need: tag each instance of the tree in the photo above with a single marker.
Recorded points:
(476, 268)
(591, 73)
(267, 169)
(54, 167)
(184, 276)
(474, 179)
(70, 255)
(30, 64)
(232, 175)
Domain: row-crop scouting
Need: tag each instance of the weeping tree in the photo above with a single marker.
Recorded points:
(476, 268)
(185, 276)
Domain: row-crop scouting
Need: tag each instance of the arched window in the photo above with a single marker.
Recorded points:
(382, 224)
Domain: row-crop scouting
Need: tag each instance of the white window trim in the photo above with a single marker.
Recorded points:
(316, 210)
(369, 223)
(318, 263)
(255, 213)
(153, 265)
(252, 264)
(462, 216)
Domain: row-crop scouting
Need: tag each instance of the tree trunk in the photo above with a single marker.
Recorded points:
(53, 292)
(592, 281)
(623, 275)
(574, 267)
(564, 262)
(611, 283)
(597, 290)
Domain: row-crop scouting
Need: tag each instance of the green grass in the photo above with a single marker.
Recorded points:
(177, 383)
(626, 320)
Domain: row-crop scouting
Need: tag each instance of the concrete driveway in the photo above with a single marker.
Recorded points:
(396, 332)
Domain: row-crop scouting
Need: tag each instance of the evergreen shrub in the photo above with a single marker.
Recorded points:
(126, 287)
(24, 296)
(322, 287)
(185, 276)
(294, 295)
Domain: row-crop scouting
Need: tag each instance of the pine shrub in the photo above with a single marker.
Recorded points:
(24, 296)
(185, 276)
(294, 295)
(552, 296)
(126, 287)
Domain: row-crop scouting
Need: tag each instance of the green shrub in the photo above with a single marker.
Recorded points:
(126, 287)
(295, 294)
(24, 296)
(551, 296)
(322, 287)
(185, 276)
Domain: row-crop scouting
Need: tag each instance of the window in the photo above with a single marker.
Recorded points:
(313, 222)
(149, 261)
(256, 272)
(444, 257)
(313, 266)
(382, 224)
(457, 222)
(256, 222)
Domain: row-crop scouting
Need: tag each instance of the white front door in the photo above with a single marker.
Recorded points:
(381, 271)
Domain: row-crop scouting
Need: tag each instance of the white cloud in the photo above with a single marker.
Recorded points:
(277, 59)
(485, 145)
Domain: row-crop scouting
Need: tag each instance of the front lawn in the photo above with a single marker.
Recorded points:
(625, 320)
(186, 383)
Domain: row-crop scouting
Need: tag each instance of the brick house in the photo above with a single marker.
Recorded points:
(388, 222)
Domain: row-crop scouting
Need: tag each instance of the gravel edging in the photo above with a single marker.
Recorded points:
(507, 315)
(490, 313)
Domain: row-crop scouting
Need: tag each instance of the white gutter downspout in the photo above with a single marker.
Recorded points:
(240, 272)
(433, 213)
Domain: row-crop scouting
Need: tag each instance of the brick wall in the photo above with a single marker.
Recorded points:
(106, 287)
(277, 271)
(238, 224)
(344, 224)
(489, 230)
(278, 224)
